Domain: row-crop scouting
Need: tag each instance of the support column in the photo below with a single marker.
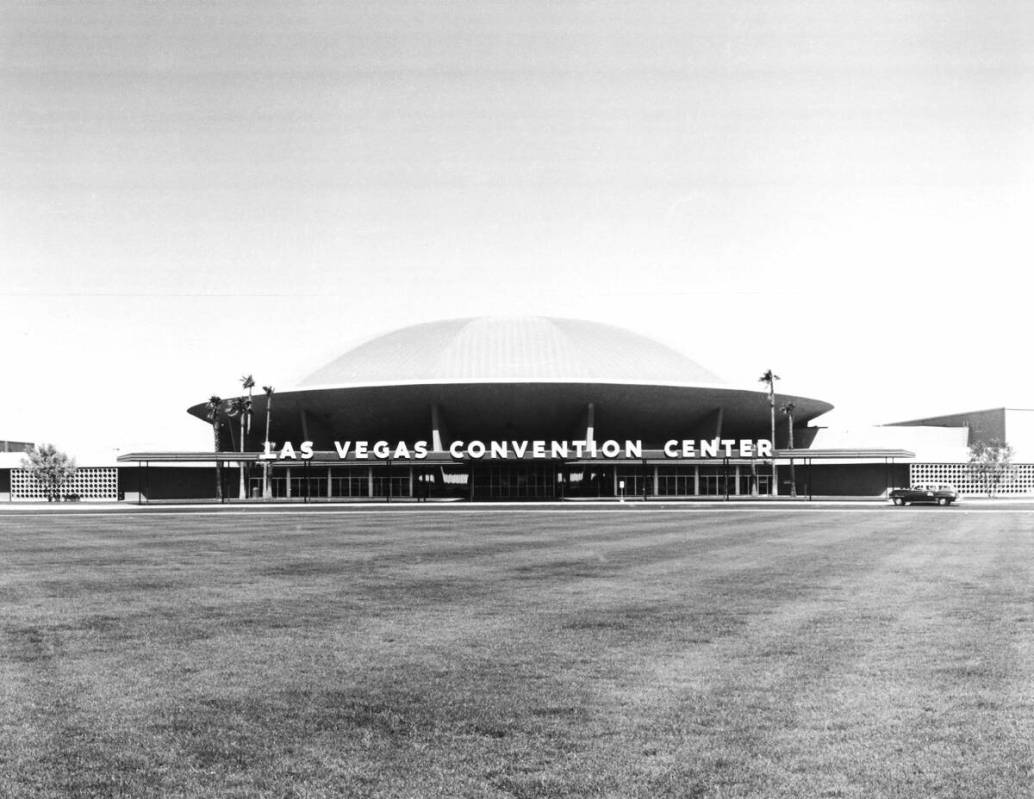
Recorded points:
(287, 480)
(696, 479)
(410, 481)
(330, 483)
(736, 473)
(369, 482)
(656, 482)
(439, 434)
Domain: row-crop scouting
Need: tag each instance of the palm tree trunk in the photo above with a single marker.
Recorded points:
(775, 474)
(218, 464)
(267, 488)
(793, 476)
(240, 465)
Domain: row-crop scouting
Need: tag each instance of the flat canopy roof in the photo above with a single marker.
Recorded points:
(652, 456)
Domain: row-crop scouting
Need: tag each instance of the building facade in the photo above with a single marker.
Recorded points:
(541, 409)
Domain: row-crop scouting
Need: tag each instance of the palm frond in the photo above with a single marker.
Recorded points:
(215, 403)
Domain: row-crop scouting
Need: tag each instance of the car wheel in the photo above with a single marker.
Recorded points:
(942, 501)
(897, 500)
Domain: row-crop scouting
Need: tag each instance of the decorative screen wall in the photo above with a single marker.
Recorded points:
(89, 482)
(1017, 481)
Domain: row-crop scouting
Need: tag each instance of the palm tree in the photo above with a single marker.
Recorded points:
(788, 408)
(214, 409)
(232, 409)
(249, 383)
(266, 489)
(769, 378)
(240, 407)
(245, 411)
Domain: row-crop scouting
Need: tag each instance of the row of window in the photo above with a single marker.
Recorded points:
(527, 482)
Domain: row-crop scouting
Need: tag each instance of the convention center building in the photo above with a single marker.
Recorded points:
(537, 409)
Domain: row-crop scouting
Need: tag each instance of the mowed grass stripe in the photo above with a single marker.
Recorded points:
(679, 656)
(814, 680)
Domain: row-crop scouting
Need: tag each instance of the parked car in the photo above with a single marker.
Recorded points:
(932, 493)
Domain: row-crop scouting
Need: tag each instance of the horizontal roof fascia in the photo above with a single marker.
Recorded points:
(652, 456)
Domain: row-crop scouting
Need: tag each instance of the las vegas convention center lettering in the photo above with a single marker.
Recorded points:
(476, 450)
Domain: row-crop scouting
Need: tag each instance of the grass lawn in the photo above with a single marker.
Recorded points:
(704, 653)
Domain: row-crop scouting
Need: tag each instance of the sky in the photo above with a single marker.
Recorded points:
(191, 192)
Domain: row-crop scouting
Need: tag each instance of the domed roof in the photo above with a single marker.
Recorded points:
(494, 349)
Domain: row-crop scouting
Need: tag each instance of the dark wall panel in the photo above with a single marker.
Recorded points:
(174, 482)
(852, 479)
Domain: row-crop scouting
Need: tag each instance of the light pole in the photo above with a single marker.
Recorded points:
(788, 408)
(769, 377)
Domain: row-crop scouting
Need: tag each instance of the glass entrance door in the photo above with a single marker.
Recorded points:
(514, 481)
